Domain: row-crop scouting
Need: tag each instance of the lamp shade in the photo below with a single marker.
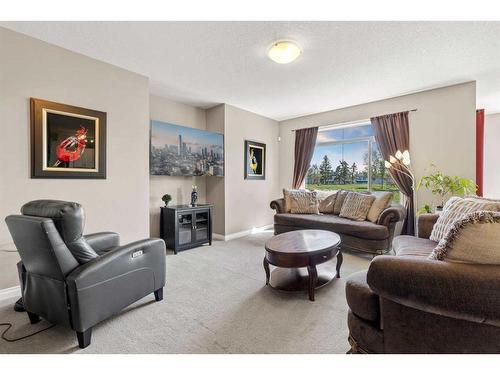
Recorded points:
(283, 52)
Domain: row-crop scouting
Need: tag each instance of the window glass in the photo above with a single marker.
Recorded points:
(341, 161)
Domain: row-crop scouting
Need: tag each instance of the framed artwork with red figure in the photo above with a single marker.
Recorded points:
(67, 141)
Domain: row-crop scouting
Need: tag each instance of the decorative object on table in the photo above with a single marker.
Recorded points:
(294, 251)
(443, 186)
(194, 196)
(67, 141)
(184, 227)
(255, 161)
(183, 151)
(166, 199)
(401, 163)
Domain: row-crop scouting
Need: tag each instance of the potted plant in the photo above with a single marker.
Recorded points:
(443, 185)
(166, 199)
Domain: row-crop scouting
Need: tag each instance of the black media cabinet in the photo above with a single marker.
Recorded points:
(183, 227)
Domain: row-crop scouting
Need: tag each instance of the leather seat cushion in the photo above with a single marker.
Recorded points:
(413, 246)
(361, 299)
(361, 229)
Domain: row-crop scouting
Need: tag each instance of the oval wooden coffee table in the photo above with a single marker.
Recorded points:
(293, 251)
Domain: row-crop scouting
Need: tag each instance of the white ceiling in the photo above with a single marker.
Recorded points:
(342, 63)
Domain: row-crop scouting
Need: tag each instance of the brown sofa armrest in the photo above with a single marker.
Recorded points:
(392, 214)
(278, 205)
(425, 223)
(457, 290)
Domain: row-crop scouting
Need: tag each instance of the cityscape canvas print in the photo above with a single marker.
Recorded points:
(183, 151)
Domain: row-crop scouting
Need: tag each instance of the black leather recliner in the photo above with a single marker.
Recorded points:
(75, 280)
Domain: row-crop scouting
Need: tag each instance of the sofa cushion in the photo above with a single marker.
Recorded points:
(413, 246)
(339, 201)
(457, 208)
(360, 229)
(356, 206)
(382, 201)
(304, 202)
(474, 239)
(326, 200)
(287, 193)
(360, 298)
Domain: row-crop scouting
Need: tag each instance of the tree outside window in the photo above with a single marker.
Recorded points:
(349, 158)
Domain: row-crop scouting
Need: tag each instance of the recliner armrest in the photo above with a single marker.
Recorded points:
(278, 205)
(425, 223)
(457, 290)
(102, 241)
(119, 261)
(107, 284)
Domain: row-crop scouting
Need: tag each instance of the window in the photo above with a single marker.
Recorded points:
(349, 158)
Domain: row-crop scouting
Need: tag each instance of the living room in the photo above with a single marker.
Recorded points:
(249, 187)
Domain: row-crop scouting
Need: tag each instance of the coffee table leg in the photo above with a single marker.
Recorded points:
(340, 259)
(313, 278)
(266, 268)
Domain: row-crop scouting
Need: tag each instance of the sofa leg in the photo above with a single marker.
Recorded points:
(158, 294)
(84, 338)
(33, 318)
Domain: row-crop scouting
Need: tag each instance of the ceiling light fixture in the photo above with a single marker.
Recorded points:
(283, 52)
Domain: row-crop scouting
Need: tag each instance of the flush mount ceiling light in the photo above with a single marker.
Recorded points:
(283, 52)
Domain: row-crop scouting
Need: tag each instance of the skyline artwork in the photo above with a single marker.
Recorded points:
(183, 151)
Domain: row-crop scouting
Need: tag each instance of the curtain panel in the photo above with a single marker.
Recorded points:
(305, 141)
(392, 133)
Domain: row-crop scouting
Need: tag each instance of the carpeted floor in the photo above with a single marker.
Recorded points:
(215, 301)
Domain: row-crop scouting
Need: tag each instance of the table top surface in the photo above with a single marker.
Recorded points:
(188, 206)
(303, 241)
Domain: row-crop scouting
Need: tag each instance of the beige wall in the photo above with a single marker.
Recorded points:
(179, 188)
(215, 188)
(442, 130)
(492, 156)
(247, 201)
(31, 68)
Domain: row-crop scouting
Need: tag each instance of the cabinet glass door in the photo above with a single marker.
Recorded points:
(201, 225)
(185, 223)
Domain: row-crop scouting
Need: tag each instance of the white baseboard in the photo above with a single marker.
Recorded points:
(232, 236)
(9, 293)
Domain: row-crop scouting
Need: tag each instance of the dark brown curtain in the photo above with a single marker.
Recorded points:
(392, 133)
(305, 140)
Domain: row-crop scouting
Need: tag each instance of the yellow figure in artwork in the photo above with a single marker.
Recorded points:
(253, 161)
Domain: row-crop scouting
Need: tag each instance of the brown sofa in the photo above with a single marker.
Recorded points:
(409, 304)
(365, 236)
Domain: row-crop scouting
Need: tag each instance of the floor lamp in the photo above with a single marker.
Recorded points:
(401, 162)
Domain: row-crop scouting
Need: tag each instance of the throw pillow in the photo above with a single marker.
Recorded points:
(457, 208)
(326, 200)
(339, 201)
(473, 239)
(356, 206)
(382, 201)
(286, 196)
(304, 202)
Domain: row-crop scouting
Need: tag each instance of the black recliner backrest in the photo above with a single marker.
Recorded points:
(68, 217)
(40, 246)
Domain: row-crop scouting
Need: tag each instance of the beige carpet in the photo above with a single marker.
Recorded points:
(215, 301)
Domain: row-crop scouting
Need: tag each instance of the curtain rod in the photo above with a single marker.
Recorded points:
(333, 125)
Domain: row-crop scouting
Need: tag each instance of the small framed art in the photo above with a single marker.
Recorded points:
(255, 161)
